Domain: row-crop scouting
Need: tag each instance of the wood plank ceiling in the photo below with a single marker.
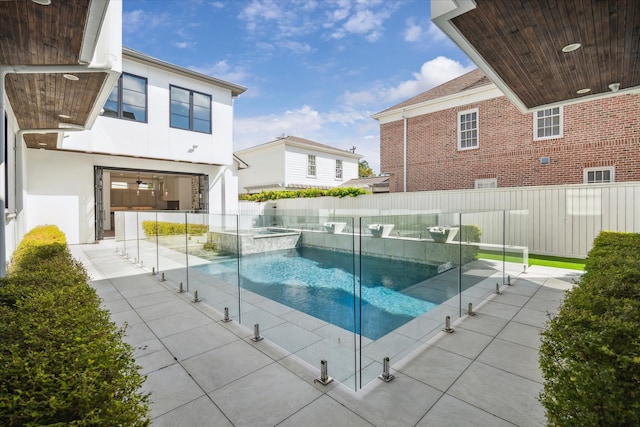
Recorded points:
(33, 34)
(522, 42)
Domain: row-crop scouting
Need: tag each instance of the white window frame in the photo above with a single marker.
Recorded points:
(610, 169)
(311, 166)
(483, 183)
(339, 170)
(535, 124)
(459, 125)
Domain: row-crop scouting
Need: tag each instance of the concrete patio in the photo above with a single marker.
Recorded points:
(204, 372)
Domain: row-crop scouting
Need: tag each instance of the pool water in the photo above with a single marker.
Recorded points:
(321, 283)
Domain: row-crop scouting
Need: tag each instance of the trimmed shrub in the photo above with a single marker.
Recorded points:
(152, 228)
(63, 361)
(306, 193)
(590, 352)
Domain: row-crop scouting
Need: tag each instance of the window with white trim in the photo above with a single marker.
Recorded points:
(311, 165)
(599, 175)
(468, 129)
(338, 169)
(547, 124)
(486, 183)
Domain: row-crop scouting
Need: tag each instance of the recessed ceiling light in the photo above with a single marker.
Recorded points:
(42, 144)
(585, 90)
(571, 47)
(71, 77)
(64, 116)
(42, 2)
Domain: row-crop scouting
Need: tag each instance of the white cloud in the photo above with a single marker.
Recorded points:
(295, 47)
(413, 32)
(183, 44)
(222, 70)
(341, 129)
(217, 4)
(432, 73)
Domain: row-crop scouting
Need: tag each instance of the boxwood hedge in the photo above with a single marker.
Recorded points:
(160, 228)
(63, 362)
(590, 352)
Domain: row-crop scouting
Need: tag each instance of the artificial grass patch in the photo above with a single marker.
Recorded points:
(535, 259)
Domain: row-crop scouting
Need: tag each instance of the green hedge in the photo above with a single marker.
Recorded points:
(590, 352)
(63, 362)
(152, 228)
(306, 193)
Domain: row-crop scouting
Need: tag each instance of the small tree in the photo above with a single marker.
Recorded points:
(364, 170)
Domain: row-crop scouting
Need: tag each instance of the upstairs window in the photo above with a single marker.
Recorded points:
(547, 123)
(599, 175)
(128, 99)
(311, 165)
(468, 129)
(190, 110)
(338, 169)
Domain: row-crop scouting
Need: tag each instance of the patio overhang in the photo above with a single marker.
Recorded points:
(58, 64)
(519, 46)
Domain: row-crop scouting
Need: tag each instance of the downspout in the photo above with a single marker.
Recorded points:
(33, 69)
(3, 196)
(404, 163)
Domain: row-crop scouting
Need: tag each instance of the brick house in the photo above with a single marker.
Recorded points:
(466, 134)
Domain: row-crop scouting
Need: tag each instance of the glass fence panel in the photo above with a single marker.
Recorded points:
(482, 248)
(408, 283)
(130, 235)
(213, 261)
(148, 242)
(172, 248)
(119, 232)
(297, 277)
(516, 241)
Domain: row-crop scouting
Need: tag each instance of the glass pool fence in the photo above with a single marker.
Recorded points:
(349, 295)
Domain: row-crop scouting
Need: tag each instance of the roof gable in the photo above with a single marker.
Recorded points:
(470, 80)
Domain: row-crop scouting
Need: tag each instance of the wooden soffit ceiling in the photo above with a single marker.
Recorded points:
(519, 43)
(33, 35)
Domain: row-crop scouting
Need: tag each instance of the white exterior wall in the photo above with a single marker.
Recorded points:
(296, 168)
(155, 139)
(266, 167)
(59, 188)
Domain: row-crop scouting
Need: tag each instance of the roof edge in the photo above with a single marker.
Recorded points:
(235, 89)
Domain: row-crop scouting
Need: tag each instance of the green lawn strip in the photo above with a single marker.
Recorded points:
(535, 259)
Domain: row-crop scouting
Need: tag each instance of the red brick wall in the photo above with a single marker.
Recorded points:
(605, 132)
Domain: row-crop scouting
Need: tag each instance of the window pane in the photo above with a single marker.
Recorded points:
(134, 98)
(201, 113)
(134, 83)
(201, 125)
(180, 95)
(134, 113)
(201, 100)
(179, 121)
(180, 108)
(111, 109)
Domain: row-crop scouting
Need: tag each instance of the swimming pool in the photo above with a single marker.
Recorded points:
(321, 283)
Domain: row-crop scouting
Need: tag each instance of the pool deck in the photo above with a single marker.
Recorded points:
(204, 372)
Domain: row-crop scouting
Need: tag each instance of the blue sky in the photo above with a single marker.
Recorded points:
(316, 69)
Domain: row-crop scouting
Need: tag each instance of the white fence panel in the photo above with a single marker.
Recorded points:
(562, 220)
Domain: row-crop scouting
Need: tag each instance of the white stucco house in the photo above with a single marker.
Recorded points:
(290, 163)
(104, 128)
